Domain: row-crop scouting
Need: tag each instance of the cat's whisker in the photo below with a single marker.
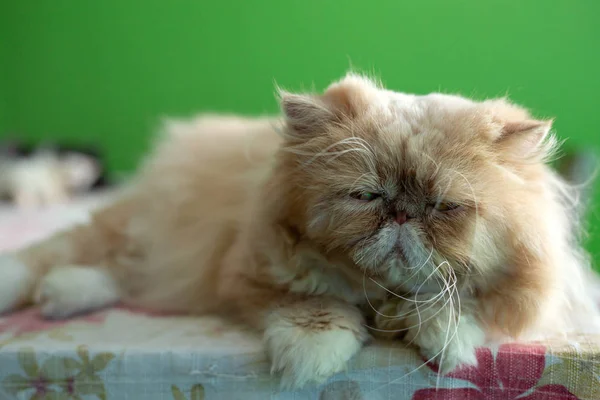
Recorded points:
(435, 270)
(452, 318)
(443, 194)
(437, 165)
(423, 364)
(364, 142)
(449, 289)
(433, 300)
(337, 154)
(354, 184)
(423, 264)
(363, 254)
(509, 173)
(418, 325)
(327, 153)
(415, 273)
(367, 297)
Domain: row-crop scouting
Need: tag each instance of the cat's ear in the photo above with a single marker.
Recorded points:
(516, 133)
(309, 114)
(523, 138)
(306, 113)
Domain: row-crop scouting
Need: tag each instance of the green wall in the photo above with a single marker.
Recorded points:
(105, 71)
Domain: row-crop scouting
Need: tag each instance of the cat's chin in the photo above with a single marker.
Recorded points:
(397, 277)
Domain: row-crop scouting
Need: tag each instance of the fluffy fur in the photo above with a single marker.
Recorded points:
(435, 210)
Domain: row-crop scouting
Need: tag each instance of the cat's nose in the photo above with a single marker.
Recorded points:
(401, 217)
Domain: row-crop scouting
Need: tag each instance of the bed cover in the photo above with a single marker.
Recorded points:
(127, 354)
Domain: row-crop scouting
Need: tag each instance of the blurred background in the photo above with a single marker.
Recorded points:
(100, 74)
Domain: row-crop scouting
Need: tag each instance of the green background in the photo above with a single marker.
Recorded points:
(105, 71)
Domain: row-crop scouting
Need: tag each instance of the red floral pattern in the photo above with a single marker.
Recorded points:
(513, 374)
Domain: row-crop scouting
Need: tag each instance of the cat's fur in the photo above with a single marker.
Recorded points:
(268, 221)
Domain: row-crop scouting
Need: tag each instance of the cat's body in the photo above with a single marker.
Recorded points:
(293, 225)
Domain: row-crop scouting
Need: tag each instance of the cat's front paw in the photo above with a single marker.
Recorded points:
(310, 349)
(456, 349)
(444, 337)
(310, 357)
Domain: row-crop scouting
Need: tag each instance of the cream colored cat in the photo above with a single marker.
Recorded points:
(293, 225)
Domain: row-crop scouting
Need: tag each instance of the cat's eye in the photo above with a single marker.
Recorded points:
(444, 206)
(366, 196)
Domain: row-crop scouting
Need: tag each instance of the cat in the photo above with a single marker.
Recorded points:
(439, 209)
(45, 176)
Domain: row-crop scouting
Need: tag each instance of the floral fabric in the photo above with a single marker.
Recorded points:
(127, 354)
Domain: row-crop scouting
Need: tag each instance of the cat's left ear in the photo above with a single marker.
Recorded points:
(515, 132)
(522, 138)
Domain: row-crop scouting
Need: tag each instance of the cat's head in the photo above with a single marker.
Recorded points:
(413, 186)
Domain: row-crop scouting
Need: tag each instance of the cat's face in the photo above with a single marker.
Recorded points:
(411, 188)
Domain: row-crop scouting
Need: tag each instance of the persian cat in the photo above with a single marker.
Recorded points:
(437, 211)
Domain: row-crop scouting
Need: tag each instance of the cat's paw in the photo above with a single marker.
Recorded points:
(309, 346)
(309, 357)
(456, 349)
(445, 338)
(65, 291)
(16, 281)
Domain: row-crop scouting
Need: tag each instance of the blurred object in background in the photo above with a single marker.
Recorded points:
(580, 168)
(33, 178)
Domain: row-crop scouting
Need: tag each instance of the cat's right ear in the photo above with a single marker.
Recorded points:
(306, 114)
(309, 115)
